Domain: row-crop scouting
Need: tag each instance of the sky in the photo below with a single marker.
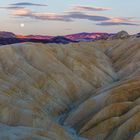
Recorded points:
(60, 17)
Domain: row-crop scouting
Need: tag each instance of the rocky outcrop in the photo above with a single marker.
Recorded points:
(138, 35)
(70, 92)
(120, 35)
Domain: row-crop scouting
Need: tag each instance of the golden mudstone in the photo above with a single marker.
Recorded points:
(75, 91)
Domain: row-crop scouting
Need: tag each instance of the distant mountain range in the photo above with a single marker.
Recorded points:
(74, 37)
(35, 36)
(10, 38)
(87, 36)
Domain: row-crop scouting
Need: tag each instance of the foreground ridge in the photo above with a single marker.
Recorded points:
(76, 91)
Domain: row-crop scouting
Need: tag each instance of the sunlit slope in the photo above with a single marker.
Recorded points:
(113, 112)
(92, 88)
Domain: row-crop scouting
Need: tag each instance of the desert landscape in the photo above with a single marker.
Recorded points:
(69, 70)
(75, 91)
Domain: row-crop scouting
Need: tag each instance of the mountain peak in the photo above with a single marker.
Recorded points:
(4, 34)
(120, 35)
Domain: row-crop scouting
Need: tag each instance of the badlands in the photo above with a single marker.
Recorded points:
(76, 91)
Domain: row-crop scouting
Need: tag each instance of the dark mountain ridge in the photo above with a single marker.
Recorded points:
(11, 38)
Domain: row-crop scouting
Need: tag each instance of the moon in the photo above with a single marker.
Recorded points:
(22, 25)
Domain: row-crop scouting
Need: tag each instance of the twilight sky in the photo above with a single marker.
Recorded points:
(59, 17)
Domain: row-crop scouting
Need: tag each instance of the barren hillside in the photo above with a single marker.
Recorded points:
(75, 91)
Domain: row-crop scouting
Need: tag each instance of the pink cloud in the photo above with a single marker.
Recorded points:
(89, 8)
(21, 12)
(119, 21)
(71, 16)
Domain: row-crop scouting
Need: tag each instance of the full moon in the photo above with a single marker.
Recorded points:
(22, 25)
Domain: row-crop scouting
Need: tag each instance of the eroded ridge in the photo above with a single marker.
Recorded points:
(92, 88)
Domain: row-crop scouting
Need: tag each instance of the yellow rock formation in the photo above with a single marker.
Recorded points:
(70, 92)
